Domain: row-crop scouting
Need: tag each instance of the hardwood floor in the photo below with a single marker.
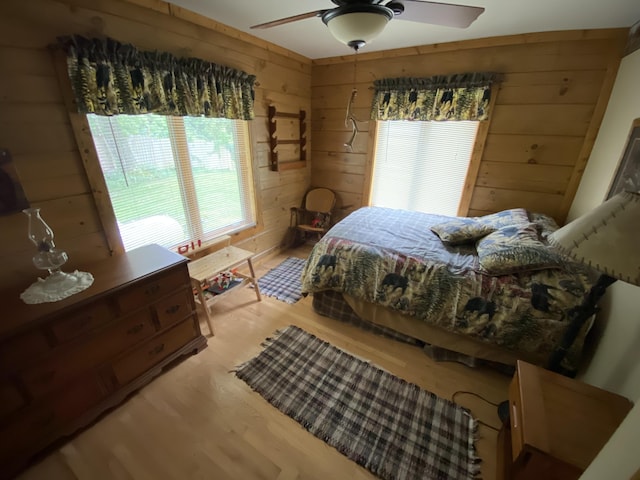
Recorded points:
(198, 421)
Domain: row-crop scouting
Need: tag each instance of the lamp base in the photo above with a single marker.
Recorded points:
(57, 286)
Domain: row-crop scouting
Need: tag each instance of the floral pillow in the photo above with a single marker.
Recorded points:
(545, 224)
(461, 230)
(515, 216)
(514, 249)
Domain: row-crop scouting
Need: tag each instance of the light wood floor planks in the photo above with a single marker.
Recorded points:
(198, 421)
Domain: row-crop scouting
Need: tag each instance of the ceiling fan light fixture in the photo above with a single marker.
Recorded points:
(357, 25)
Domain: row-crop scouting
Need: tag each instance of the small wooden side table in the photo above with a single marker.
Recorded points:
(207, 267)
(557, 425)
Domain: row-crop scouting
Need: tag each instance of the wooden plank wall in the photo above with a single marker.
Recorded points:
(35, 126)
(548, 110)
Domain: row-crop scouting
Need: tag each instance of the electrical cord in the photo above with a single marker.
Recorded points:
(453, 399)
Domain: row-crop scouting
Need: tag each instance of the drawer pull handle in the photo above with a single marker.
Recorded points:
(135, 329)
(156, 350)
(173, 309)
(514, 413)
(152, 290)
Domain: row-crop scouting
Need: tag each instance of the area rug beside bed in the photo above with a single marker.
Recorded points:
(283, 282)
(389, 426)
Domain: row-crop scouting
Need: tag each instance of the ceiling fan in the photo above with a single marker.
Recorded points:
(357, 22)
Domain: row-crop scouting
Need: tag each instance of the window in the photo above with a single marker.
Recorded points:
(175, 180)
(422, 166)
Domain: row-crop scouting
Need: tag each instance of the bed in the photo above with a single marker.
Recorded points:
(486, 287)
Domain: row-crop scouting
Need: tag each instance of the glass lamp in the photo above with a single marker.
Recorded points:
(357, 25)
(58, 284)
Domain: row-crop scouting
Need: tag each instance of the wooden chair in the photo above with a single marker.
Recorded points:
(314, 216)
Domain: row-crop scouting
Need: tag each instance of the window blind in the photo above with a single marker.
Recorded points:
(422, 166)
(175, 180)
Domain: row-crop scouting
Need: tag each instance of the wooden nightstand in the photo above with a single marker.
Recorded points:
(557, 425)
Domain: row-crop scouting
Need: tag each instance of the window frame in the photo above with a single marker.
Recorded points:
(104, 206)
(418, 141)
(473, 171)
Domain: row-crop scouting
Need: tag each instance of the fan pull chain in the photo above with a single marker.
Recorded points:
(355, 65)
(350, 117)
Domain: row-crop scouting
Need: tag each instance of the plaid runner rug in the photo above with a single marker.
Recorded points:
(387, 425)
(283, 282)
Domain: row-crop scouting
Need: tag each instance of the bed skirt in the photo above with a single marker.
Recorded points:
(333, 305)
(437, 343)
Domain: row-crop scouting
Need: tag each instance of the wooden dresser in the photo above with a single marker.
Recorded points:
(64, 363)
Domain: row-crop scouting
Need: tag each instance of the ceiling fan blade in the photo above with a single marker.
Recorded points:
(294, 18)
(447, 14)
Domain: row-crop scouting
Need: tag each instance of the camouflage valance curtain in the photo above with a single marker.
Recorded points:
(455, 97)
(111, 78)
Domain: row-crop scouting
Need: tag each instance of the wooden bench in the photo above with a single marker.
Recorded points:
(204, 269)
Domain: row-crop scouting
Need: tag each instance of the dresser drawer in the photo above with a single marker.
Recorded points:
(152, 290)
(63, 365)
(152, 352)
(21, 349)
(174, 308)
(45, 418)
(81, 322)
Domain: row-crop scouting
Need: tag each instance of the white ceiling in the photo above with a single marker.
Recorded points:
(311, 38)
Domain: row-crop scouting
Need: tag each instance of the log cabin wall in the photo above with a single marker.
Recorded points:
(35, 126)
(547, 112)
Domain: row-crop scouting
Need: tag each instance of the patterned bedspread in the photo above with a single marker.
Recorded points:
(392, 258)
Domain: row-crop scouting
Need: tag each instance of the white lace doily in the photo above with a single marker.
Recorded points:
(56, 287)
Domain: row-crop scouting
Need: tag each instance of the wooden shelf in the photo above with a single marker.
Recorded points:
(274, 162)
